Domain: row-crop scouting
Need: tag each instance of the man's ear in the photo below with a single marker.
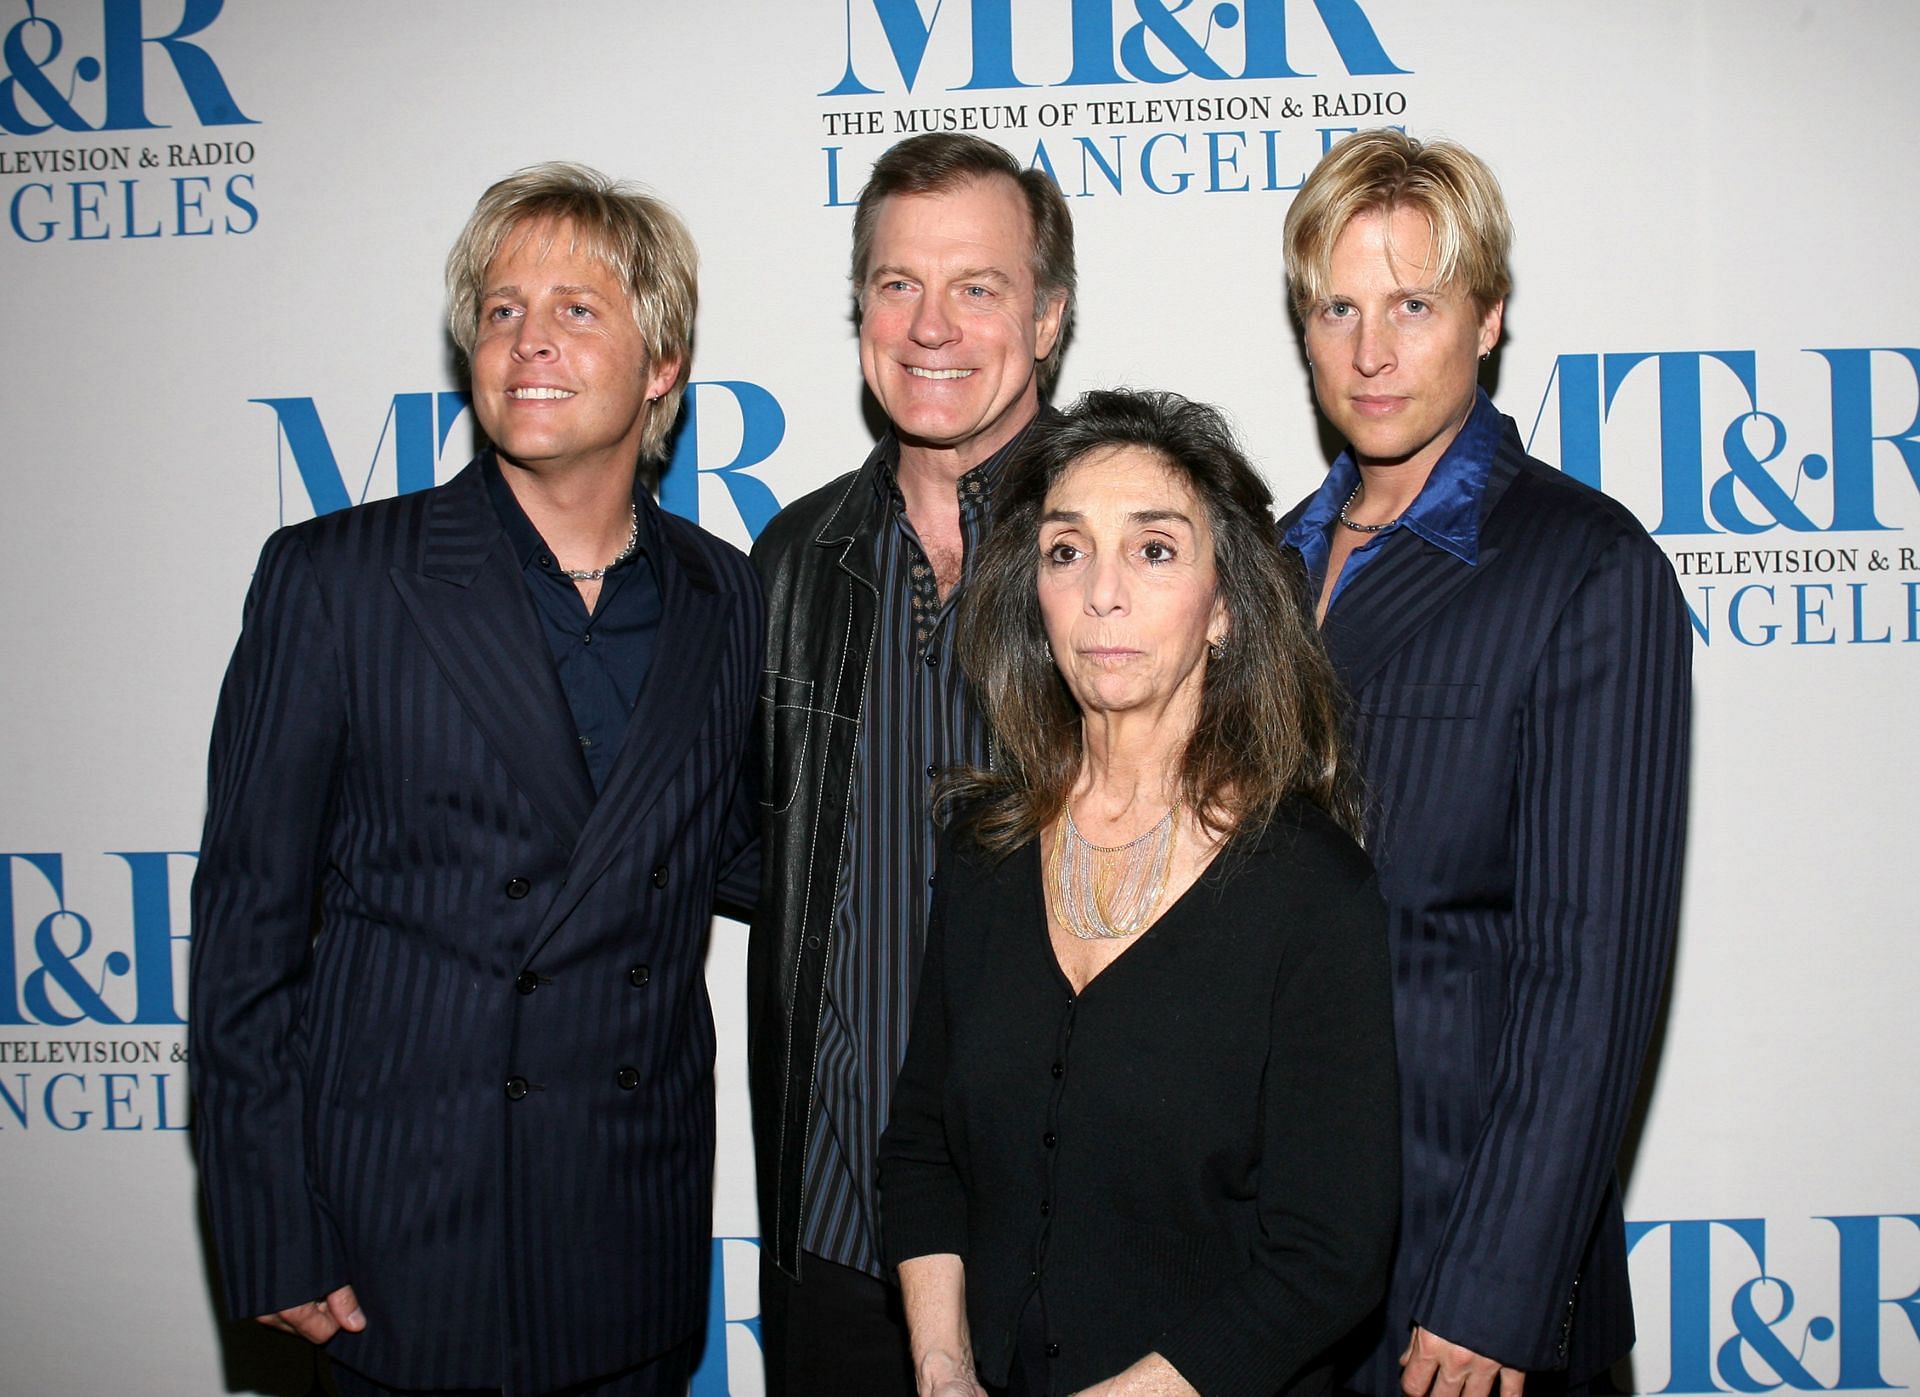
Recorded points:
(661, 374)
(1048, 334)
(1490, 324)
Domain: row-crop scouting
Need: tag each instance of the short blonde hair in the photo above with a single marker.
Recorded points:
(640, 240)
(1382, 170)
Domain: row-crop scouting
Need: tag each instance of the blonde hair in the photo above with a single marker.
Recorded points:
(1380, 171)
(639, 239)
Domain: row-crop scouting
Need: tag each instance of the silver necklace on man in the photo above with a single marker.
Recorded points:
(633, 542)
(1362, 528)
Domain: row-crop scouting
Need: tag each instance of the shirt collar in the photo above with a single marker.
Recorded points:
(975, 488)
(529, 549)
(1446, 512)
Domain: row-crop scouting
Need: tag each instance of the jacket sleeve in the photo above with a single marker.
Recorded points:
(1600, 812)
(278, 740)
(923, 1202)
(1329, 1184)
(738, 893)
(739, 882)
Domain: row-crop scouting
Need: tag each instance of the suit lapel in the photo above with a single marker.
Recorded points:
(471, 608)
(674, 700)
(1399, 593)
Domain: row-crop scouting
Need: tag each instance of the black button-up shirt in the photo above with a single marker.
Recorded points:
(601, 656)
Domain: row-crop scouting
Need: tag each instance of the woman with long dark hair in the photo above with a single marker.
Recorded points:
(1145, 1137)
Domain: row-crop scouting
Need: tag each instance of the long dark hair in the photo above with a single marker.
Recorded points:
(1269, 725)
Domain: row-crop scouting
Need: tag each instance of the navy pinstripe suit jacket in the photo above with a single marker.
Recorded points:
(1522, 725)
(450, 1034)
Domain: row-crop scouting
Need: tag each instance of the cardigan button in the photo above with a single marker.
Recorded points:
(1059, 1069)
(1046, 1207)
(1049, 1139)
(1053, 1350)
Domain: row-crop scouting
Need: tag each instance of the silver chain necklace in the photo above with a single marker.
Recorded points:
(1097, 901)
(633, 542)
(1362, 528)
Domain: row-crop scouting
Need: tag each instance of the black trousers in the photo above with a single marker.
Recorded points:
(665, 1376)
(835, 1332)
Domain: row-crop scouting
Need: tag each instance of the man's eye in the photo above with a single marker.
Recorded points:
(1416, 305)
(580, 312)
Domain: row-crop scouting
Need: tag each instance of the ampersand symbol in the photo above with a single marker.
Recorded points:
(1751, 471)
(148, 159)
(178, 1053)
(25, 74)
(1159, 18)
(1878, 561)
(1757, 1335)
(57, 968)
(1289, 107)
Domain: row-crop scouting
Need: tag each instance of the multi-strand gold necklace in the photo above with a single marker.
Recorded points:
(1101, 892)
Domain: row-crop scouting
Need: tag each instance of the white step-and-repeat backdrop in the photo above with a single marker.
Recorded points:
(224, 225)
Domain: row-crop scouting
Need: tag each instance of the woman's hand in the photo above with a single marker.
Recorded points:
(934, 1289)
(942, 1374)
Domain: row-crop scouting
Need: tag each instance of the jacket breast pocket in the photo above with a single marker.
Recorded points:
(788, 720)
(1421, 701)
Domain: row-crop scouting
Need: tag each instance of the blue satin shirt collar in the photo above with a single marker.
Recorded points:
(1446, 513)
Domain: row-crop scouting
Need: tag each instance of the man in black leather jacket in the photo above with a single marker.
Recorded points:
(963, 276)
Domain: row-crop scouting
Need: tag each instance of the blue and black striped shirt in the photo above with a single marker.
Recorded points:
(917, 718)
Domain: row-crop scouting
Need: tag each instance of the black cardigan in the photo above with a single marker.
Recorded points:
(1197, 1155)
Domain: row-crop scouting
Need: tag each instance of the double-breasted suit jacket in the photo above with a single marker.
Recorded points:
(1522, 725)
(450, 1035)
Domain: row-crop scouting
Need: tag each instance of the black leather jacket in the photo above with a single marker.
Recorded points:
(816, 560)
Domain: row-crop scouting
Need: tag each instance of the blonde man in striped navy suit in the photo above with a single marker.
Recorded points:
(1517, 654)
(477, 777)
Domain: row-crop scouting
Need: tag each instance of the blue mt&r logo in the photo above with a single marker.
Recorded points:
(88, 73)
(43, 78)
(416, 435)
(1157, 46)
